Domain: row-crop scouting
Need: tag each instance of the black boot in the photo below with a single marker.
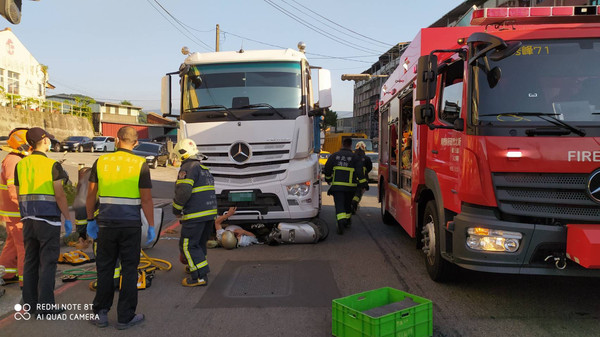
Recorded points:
(340, 226)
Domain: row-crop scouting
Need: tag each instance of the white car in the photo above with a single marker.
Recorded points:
(374, 174)
(104, 144)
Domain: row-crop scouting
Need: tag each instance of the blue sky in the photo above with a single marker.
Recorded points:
(117, 50)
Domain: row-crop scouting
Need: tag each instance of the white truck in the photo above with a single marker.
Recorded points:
(252, 114)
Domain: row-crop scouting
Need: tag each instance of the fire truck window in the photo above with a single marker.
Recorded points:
(452, 90)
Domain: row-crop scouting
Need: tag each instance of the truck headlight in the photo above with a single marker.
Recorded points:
(493, 240)
(299, 190)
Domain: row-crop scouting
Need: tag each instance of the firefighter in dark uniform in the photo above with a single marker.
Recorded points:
(42, 200)
(344, 172)
(195, 204)
(367, 165)
(121, 182)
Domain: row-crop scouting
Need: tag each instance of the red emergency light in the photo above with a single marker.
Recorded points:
(535, 15)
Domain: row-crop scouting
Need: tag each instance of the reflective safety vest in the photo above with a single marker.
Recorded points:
(36, 188)
(343, 170)
(118, 186)
(202, 204)
(9, 207)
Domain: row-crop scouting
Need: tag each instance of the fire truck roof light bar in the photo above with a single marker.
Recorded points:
(532, 15)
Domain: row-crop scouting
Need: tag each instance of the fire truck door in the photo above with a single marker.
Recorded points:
(447, 142)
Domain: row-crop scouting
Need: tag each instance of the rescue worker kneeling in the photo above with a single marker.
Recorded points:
(195, 204)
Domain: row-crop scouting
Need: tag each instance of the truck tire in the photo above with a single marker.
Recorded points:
(323, 228)
(386, 217)
(439, 269)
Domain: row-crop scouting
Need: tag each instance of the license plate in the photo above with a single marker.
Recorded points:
(241, 196)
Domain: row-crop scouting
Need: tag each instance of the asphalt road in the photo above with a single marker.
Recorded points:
(369, 256)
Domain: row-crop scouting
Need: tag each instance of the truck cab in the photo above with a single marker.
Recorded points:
(253, 116)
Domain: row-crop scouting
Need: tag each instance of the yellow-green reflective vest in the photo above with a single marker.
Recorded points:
(36, 188)
(118, 186)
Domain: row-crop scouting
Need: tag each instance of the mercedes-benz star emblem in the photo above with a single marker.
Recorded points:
(594, 186)
(239, 152)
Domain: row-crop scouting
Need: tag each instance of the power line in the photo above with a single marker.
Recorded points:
(347, 58)
(348, 29)
(330, 36)
(193, 38)
(365, 39)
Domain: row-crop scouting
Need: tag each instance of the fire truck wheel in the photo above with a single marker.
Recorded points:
(386, 217)
(438, 268)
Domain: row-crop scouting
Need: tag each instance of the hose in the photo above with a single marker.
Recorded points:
(153, 263)
(81, 273)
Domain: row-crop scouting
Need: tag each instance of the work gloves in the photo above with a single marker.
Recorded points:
(151, 234)
(92, 229)
(68, 227)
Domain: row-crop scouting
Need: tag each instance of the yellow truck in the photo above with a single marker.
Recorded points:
(333, 141)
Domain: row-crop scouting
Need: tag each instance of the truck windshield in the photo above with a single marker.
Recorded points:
(243, 91)
(555, 78)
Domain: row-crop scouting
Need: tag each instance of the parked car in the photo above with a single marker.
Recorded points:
(103, 143)
(77, 143)
(155, 154)
(374, 174)
(55, 147)
(163, 139)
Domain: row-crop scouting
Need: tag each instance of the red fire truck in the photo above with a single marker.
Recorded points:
(490, 143)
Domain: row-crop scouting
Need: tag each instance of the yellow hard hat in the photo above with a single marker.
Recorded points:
(228, 240)
(185, 148)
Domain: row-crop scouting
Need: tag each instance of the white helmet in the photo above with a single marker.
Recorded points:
(185, 148)
(361, 145)
(228, 240)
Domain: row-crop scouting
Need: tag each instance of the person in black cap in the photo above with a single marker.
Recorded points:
(42, 200)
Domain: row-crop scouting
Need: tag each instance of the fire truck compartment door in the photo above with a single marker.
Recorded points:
(583, 245)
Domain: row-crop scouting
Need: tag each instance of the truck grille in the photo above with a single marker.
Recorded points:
(267, 161)
(545, 195)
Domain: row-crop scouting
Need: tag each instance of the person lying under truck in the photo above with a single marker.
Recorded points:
(240, 237)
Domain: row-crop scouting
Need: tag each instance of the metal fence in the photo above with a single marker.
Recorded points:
(34, 104)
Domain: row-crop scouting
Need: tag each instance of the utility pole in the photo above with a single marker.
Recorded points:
(217, 40)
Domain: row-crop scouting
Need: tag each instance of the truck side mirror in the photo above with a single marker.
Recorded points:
(165, 95)
(324, 88)
(426, 77)
(424, 114)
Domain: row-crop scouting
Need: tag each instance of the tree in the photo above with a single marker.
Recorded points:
(126, 102)
(142, 117)
(330, 119)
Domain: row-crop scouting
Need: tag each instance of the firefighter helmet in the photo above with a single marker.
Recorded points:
(361, 145)
(228, 240)
(185, 148)
(17, 141)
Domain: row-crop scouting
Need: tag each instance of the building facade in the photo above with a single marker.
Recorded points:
(21, 75)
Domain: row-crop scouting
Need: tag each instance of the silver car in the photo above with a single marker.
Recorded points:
(104, 143)
(374, 174)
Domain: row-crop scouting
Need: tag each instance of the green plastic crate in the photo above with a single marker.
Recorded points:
(348, 319)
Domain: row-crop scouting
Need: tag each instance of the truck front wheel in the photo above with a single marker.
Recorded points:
(438, 268)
